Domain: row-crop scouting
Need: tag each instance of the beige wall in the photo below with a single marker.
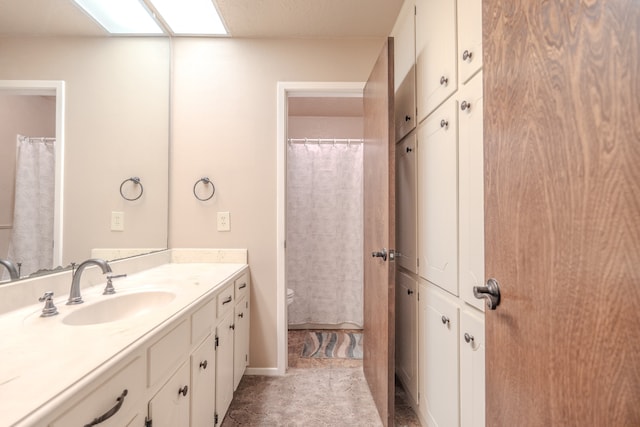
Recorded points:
(325, 127)
(28, 116)
(117, 109)
(224, 127)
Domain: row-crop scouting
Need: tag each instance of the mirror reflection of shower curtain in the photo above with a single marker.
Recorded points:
(324, 263)
(32, 235)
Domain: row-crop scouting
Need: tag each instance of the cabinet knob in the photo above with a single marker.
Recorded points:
(409, 292)
(183, 390)
(241, 315)
(466, 55)
(407, 118)
(409, 149)
(467, 337)
(465, 106)
(232, 326)
(444, 124)
(445, 320)
(444, 81)
(203, 365)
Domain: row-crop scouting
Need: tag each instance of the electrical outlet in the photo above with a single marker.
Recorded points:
(117, 221)
(224, 223)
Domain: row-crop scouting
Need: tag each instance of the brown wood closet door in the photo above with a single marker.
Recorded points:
(379, 233)
(562, 212)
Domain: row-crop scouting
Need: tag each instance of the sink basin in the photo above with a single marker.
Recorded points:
(119, 307)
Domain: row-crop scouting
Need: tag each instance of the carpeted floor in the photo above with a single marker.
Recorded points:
(314, 392)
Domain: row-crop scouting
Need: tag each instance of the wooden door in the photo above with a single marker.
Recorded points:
(562, 211)
(379, 233)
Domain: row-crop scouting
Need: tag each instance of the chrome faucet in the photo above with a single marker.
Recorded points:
(11, 267)
(74, 293)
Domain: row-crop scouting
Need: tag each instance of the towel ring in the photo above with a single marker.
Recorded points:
(204, 180)
(135, 180)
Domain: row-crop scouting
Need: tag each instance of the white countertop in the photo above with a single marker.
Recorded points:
(41, 358)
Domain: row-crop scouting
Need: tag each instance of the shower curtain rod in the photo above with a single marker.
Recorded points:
(325, 140)
(42, 139)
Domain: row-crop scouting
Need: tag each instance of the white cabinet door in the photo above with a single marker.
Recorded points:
(404, 52)
(224, 365)
(469, 38)
(406, 208)
(438, 198)
(472, 374)
(203, 383)
(406, 333)
(170, 406)
(241, 341)
(436, 74)
(471, 190)
(438, 349)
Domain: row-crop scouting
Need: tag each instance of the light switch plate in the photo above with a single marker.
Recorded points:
(117, 221)
(224, 223)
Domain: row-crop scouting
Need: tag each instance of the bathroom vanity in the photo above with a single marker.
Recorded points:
(167, 349)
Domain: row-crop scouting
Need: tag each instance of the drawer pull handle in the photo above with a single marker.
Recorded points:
(111, 412)
(203, 365)
(183, 390)
(244, 285)
(227, 300)
(241, 315)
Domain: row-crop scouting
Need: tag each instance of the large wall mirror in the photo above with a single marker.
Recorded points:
(111, 100)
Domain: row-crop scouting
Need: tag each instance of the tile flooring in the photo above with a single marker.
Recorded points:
(314, 392)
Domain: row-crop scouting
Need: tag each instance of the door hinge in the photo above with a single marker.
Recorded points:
(246, 357)
(215, 419)
(415, 10)
(148, 422)
(217, 342)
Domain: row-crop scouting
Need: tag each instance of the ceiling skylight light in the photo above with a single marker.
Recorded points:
(182, 17)
(193, 17)
(121, 16)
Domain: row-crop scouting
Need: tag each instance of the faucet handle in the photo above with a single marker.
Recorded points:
(49, 308)
(109, 289)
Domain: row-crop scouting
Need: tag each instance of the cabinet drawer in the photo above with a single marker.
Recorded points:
(168, 351)
(104, 397)
(225, 300)
(202, 321)
(242, 286)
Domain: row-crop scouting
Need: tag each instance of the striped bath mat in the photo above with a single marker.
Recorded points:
(327, 345)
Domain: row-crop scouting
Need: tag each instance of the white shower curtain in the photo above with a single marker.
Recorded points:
(32, 235)
(324, 233)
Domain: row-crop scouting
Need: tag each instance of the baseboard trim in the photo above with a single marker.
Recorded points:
(269, 372)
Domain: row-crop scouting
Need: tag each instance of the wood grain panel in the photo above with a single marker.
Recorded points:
(562, 211)
(379, 232)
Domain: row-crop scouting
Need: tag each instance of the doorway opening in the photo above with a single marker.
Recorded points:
(322, 116)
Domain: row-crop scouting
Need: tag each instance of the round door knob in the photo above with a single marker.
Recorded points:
(203, 365)
(468, 338)
(445, 320)
(183, 390)
(444, 124)
(466, 55)
(444, 81)
(409, 149)
(465, 106)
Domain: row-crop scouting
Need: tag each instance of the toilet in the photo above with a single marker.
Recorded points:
(290, 294)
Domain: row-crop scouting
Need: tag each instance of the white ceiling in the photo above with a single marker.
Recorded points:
(244, 18)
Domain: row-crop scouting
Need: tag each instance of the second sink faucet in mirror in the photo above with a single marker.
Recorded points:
(74, 293)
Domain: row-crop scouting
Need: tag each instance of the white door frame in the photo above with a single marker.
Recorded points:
(48, 88)
(286, 90)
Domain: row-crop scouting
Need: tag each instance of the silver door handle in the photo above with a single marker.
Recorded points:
(382, 254)
(490, 292)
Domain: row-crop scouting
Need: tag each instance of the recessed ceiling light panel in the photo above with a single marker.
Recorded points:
(190, 17)
(122, 16)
